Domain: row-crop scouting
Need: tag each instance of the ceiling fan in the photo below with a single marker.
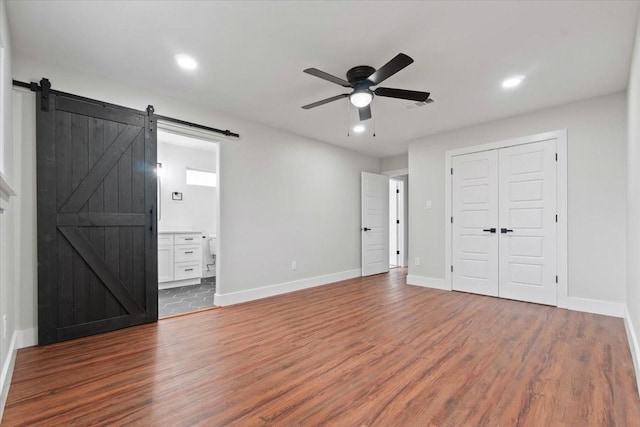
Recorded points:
(361, 78)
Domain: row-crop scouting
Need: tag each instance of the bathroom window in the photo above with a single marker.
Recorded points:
(202, 178)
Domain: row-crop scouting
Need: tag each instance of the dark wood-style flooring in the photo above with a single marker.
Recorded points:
(368, 351)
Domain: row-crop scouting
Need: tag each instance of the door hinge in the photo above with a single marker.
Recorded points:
(452, 268)
(451, 220)
(451, 171)
(556, 217)
(397, 191)
(397, 252)
(556, 157)
(397, 221)
(556, 279)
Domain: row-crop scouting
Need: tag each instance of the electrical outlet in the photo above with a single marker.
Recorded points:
(417, 261)
(294, 265)
(428, 204)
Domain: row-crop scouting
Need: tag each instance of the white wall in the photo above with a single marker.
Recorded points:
(633, 207)
(283, 197)
(395, 163)
(198, 210)
(9, 218)
(596, 191)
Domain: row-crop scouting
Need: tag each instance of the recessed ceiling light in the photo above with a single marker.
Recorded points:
(186, 62)
(358, 128)
(512, 82)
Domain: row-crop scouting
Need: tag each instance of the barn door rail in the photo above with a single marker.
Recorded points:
(45, 89)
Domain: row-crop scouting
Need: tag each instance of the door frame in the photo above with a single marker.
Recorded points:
(395, 174)
(214, 138)
(561, 203)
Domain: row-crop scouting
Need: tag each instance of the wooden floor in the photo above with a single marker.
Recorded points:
(362, 352)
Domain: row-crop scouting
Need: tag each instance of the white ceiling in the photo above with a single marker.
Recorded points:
(251, 56)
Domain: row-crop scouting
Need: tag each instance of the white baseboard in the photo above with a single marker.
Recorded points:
(607, 308)
(283, 288)
(19, 339)
(27, 338)
(427, 282)
(7, 372)
(634, 344)
(179, 283)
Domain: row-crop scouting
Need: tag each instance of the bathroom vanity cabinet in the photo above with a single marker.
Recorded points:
(179, 258)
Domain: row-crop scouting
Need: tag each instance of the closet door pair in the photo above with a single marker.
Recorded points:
(504, 222)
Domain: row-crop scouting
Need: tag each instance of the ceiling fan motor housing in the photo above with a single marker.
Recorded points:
(360, 74)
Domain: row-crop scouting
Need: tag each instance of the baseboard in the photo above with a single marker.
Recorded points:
(19, 339)
(427, 282)
(7, 372)
(179, 283)
(283, 288)
(27, 338)
(607, 308)
(634, 344)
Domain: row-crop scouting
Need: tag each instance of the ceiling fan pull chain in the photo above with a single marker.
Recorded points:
(348, 112)
(374, 123)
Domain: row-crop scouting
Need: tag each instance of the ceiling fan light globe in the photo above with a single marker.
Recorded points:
(360, 99)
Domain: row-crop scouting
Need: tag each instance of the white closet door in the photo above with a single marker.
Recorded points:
(528, 222)
(375, 223)
(475, 213)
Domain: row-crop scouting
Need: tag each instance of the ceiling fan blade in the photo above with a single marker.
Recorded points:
(365, 113)
(389, 69)
(412, 95)
(325, 101)
(327, 76)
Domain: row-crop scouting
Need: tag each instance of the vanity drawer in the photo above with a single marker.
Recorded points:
(188, 253)
(165, 239)
(187, 270)
(187, 239)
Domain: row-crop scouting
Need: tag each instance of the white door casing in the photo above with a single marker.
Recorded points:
(528, 222)
(393, 227)
(374, 223)
(474, 223)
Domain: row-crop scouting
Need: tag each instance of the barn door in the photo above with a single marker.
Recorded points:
(97, 256)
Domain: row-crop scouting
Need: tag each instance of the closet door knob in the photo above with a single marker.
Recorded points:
(366, 229)
(490, 230)
(505, 230)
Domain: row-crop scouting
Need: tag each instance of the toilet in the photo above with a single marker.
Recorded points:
(211, 265)
(213, 244)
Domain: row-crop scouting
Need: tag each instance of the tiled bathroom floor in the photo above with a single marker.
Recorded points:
(186, 298)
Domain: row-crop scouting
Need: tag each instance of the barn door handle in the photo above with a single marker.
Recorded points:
(505, 230)
(490, 230)
(366, 229)
(152, 219)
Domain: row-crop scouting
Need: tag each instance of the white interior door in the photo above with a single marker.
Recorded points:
(528, 222)
(475, 221)
(375, 223)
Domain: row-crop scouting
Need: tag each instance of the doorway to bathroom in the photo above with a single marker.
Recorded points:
(188, 211)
